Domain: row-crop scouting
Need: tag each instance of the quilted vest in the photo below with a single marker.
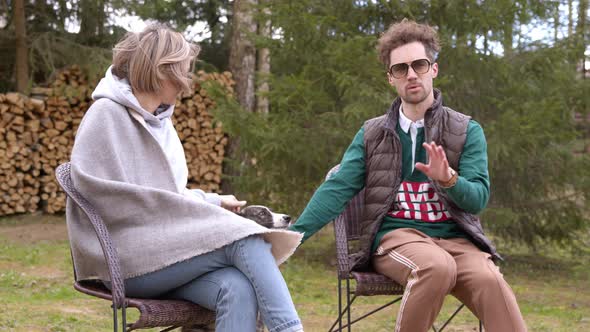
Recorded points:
(383, 153)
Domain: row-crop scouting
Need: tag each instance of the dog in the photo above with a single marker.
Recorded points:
(264, 217)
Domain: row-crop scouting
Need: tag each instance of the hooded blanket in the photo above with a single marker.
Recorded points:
(121, 168)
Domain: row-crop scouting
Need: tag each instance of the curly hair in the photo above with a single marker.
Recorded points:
(406, 32)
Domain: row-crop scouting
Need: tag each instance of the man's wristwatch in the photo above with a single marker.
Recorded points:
(452, 181)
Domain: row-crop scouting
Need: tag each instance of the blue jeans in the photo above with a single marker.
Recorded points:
(234, 281)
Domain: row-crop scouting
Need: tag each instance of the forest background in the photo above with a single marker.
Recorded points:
(307, 76)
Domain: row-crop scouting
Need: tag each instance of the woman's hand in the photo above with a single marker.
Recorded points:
(230, 202)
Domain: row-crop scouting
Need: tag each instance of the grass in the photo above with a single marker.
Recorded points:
(36, 292)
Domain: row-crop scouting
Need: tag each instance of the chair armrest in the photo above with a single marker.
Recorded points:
(341, 236)
(342, 247)
(110, 254)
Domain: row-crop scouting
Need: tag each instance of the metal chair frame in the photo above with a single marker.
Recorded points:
(346, 230)
(171, 314)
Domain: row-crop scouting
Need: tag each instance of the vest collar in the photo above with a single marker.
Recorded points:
(431, 116)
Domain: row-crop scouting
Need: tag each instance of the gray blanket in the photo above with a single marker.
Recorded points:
(119, 167)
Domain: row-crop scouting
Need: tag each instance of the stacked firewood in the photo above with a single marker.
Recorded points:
(20, 127)
(66, 100)
(36, 135)
(203, 139)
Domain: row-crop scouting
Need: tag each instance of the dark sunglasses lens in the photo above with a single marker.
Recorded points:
(421, 66)
(399, 70)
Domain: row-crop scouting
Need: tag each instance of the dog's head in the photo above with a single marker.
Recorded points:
(265, 217)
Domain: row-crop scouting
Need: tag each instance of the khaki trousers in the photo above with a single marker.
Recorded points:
(431, 268)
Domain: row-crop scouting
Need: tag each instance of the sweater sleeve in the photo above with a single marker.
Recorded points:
(199, 194)
(331, 197)
(472, 190)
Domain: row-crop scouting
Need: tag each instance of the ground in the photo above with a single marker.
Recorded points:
(37, 294)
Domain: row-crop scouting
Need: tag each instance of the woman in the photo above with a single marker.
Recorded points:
(175, 243)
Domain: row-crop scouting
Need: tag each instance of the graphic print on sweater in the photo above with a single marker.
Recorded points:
(418, 201)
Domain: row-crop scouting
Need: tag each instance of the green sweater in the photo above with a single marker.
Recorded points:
(470, 193)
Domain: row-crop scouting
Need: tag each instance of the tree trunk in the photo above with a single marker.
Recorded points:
(581, 31)
(570, 18)
(92, 19)
(242, 64)
(508, 38)
(22, 52)
(242, 60)
(473, 42)
(262, 103)
(62, 15)
(518, 36)
(556, 24)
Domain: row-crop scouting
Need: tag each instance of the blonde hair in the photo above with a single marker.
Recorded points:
(156, 54)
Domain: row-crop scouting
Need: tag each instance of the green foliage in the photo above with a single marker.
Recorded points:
(535, 174)
(326, 81)
(315, 113)
(51, 47)
(51, 51)
(181, 15)
(526, 104)
(38, 295)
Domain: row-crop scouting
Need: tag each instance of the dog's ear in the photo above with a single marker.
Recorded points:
(259, 214)
(246, 211)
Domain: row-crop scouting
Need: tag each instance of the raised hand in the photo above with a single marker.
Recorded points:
(438, 165)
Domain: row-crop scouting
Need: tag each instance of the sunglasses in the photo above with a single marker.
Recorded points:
(400, 70)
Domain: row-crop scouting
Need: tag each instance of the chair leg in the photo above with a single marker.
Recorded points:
(339, 304)
(115, 322)
(348, 303)
(453, 316)
(341, 313)
(361, 317)
(450, 319)
(124, 327)
(124, 317)
(374, 311)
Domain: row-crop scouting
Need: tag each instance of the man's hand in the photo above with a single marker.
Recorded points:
(230, 202)
(438, 165)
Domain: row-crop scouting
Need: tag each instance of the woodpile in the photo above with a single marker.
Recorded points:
(19, 154)
(203, 139)
(37, 134)
(66, 101)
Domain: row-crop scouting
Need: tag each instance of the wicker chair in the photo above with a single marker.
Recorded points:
(347, 232)
(170, 314)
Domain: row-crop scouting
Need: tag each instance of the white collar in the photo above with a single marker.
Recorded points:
(405, 123)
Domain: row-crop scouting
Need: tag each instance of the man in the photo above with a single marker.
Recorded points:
(424, 170)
